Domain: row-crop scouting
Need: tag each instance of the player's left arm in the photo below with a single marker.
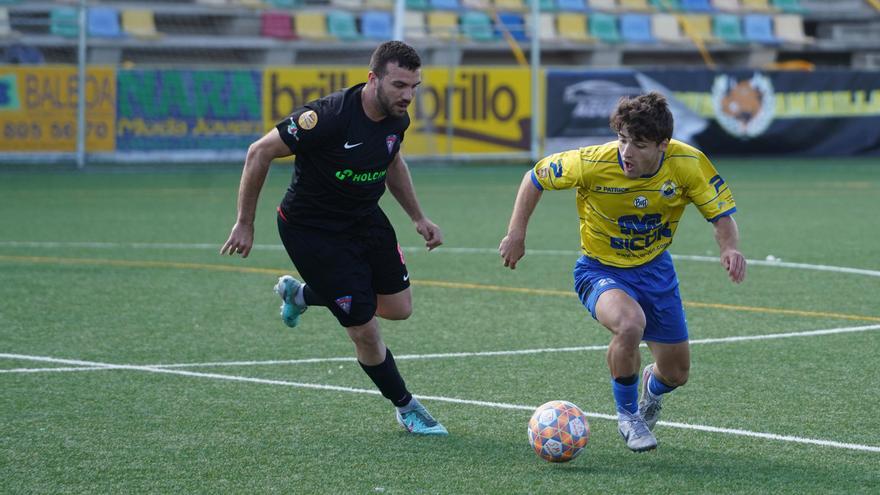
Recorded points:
(727, 236)
(399, 182)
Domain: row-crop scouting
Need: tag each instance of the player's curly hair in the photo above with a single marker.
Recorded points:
(647, 117)
(394, 51)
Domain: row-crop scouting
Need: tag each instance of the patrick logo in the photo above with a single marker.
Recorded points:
(390, 141)
(344, 303)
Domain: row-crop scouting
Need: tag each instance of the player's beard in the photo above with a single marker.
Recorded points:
(385, 104)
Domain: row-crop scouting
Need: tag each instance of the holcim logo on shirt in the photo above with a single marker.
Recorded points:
(361, 177)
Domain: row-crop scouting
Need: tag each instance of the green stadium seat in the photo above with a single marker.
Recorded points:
(477, 26)
(342, 25)
(546, 5)
(666, 5)
(603, 27)
(64, 21)
(284, 4)
(793, 6)
(417, 5)
(728, 28)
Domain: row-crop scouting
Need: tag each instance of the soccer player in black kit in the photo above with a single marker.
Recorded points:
(347, 148)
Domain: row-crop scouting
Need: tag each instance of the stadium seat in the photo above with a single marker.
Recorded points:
(284, 4)
(759, 29)
(510, 5)
(342, 25)
(379, 4)
(756, 5)
(573, 27)
(477, 26)
(348, 5)
(546, 27)
(377, 25)
(793, 6)
(666, 28)
(476, 4)
(636, 28)
(139, 23)
(417, 5)
(311, 25)
(634, 6)
(213, 3)
(666, 5)
(603, 27)
(697, 27)
(726, 5)
(276, 24)
(790, 29)
(444, 4)
(696, 6)
(103, 22)
(515, 25)
(23, 55)
(728, 28)
(602, 5)
(545, 5)
(572, 5)
(414, 25)
(443, 25)
(64, 21)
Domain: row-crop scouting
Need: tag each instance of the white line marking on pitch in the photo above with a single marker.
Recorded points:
(515, 352)
(497, 405)
(415, 249)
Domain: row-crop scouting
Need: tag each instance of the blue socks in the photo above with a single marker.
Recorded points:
(657, 387)
(626, 393)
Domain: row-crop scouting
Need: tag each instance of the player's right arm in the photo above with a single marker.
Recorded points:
(256, 166)
(513, 246)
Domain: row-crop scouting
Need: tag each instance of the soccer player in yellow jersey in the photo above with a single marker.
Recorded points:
(630, 196)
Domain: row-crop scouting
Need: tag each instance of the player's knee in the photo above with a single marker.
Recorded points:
(399, 311)
(677, 376)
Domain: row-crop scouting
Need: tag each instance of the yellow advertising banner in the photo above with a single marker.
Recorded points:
(38, 108)
(457, 110)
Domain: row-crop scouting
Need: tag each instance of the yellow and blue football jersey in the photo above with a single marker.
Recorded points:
(628, 222)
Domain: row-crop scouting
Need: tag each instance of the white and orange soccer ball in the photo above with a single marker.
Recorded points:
(558, 431)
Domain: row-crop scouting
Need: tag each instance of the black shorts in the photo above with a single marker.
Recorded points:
(347, 269)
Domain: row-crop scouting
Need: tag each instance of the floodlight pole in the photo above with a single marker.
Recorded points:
(81, 90)
(535, 73)
(399, 13)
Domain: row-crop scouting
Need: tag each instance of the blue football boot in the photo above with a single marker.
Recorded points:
(287, 287)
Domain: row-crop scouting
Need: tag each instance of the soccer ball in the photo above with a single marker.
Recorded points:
(558, 431)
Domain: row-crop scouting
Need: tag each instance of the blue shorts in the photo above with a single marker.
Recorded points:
(653, 285)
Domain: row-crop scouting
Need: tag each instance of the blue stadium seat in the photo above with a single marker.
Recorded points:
(759, 28)
(572, 5)
(23, 54)
(103, 22)
(444, 4)
(636, 28)
(696, 6)
(514, 23)
(376, 25)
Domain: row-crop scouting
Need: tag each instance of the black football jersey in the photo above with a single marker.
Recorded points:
(341, 160)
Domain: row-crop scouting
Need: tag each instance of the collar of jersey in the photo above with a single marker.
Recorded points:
(662, 159)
